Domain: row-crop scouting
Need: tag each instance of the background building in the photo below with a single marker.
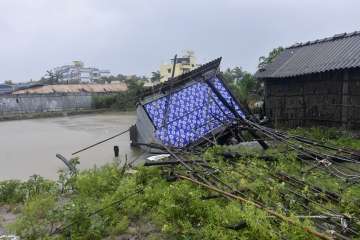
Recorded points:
(184, 64)
(78, 73)
(5, 88)
(315, 83)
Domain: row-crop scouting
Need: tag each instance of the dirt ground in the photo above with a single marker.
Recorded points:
(6, 217)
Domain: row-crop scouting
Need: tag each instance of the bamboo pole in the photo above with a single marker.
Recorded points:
(95, 144)
(269, 211)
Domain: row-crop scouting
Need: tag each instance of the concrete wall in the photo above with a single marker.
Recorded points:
(37, 103)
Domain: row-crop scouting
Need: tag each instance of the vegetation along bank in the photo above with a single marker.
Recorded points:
(117, 202)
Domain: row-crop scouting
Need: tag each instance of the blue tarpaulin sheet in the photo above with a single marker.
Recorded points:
(192, 112)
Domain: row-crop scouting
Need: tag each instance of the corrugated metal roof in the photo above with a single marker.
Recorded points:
(341, 51)
(75, 88)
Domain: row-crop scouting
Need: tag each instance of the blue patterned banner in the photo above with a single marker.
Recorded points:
(193, 112)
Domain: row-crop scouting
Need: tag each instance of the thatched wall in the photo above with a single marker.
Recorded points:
(330, 99)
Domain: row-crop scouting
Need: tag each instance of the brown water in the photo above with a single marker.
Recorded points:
(29, 147)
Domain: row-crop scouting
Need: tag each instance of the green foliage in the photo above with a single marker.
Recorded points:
(256, 178)
(248, 88)
(123, 78)
(178, 210)
(233, 76)
(155, 77)
(263, 61)
(11, 191)
(9, 82)
(123, 101)
(94, 183)
(243, 85)
(14, 191)
(52, 77)
(120, 227)
(103, 101)
(127, 101)
(36, 219)
(37, 185)
(319, 133)
(333, 136)
(67, 176)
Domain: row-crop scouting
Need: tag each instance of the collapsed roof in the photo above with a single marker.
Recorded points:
(341, 51)
(184, 110)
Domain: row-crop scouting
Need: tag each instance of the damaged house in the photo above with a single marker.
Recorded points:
(186, 110)
(315, 83)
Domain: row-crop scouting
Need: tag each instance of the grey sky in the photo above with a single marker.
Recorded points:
(135, 36)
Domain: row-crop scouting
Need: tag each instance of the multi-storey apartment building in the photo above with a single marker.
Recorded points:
(77, 73)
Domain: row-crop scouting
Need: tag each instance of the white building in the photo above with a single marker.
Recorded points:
(78, 73)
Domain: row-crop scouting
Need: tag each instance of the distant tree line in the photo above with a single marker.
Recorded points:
(246, 88)
(51, 77)
(264, 60)
(123, 101)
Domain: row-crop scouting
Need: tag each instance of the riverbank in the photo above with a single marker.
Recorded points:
(24, 116)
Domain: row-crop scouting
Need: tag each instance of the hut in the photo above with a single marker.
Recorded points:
(315, 83)
(186, 111)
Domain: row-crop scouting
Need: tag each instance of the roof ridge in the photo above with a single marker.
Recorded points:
(327, 39)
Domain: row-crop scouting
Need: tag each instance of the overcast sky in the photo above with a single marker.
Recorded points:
(135, 36)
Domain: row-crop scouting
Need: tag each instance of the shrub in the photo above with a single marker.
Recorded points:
(120, 227)
(36, 218)
(103, 101)
(12, 191)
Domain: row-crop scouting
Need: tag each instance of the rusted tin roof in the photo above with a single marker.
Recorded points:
(74, 88)
(342, 51)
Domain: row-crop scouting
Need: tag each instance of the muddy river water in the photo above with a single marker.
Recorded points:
(29, 147)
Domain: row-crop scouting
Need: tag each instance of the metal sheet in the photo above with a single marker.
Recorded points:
(339, 52)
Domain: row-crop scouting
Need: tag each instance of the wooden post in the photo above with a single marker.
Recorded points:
(116, 151)
(345, 99)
